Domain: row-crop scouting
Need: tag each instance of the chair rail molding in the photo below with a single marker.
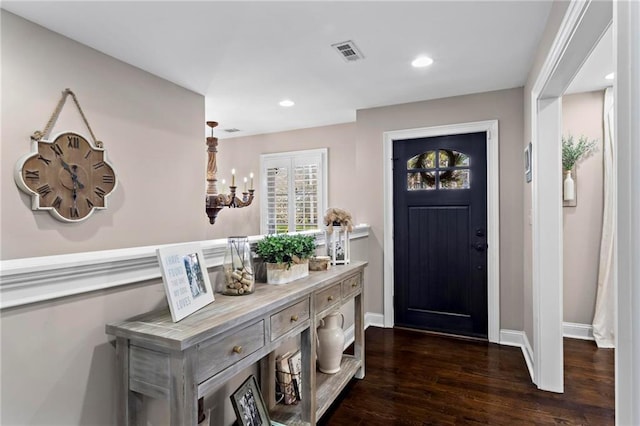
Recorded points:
(38, 279)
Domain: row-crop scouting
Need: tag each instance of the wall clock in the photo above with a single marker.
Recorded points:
(68, 176)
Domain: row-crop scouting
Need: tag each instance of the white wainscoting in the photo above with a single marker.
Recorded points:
(37, 279)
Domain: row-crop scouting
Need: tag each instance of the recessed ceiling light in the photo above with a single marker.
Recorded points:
(610, 76)
(287, 103)
(422, 61)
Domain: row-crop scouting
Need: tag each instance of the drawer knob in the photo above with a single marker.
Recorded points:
(330, 298)
(237, 349)
(354, 284)
(294, 318)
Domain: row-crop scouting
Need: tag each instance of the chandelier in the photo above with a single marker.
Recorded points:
(214, 201)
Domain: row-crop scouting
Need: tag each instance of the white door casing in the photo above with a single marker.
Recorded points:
(493, 214)
(583, 25)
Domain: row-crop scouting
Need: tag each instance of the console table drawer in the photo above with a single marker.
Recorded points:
(217, 355)
(289, 318)
(351, 285)
(326, 298)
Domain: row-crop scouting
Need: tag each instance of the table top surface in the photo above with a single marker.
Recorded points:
(157, 328)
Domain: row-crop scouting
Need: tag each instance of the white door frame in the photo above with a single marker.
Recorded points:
(583, 25)
(626, 27)
(493, 214)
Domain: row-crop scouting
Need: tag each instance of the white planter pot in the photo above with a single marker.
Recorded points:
(277, 273)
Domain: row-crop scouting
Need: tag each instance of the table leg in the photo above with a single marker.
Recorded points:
(128, 403)
(308, 352)
(268, 379)
(359, 333)
(183, 392)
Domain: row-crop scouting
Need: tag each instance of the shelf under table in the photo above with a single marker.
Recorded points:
(328, 387)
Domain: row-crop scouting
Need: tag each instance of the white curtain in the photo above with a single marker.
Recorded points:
(604, 318)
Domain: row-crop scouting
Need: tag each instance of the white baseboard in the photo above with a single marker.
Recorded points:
(370, 319)
(577, 331)
(373, 319)
(519, 339)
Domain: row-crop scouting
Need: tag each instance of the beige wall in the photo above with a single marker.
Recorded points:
(243, 154)
(356, 181)
(582, 115)
(57, 363)
(58, 366)
(506, 107)
(153, 131)
(556, 15)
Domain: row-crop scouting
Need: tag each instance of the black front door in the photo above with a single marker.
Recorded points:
(440, 228)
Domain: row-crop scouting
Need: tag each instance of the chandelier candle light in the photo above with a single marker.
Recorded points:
(214, 201)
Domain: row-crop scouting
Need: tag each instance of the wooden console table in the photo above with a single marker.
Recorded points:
(184, 361)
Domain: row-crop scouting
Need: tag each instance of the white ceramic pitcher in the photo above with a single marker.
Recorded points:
(330, 343)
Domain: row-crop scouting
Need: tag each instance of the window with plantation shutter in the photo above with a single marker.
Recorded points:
(293, 194)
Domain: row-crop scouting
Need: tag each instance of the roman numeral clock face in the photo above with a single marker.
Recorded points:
(69, 177)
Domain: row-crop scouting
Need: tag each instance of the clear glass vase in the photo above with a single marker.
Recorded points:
(238, 268)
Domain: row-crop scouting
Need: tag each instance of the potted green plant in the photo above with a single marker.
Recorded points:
(286, 256)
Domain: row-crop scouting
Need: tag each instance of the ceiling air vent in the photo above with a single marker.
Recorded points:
(348, 51)
(232, 130)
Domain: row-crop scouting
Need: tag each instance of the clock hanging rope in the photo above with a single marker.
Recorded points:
(69, 176)
(38, 135)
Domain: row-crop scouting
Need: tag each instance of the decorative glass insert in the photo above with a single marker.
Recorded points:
(426, 160)
(450, 171)
(421, 181)
(450, 158)
(454, 179)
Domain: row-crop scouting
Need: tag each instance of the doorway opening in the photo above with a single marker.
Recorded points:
(584, 25)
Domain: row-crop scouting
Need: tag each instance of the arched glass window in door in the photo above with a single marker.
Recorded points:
(438, 169)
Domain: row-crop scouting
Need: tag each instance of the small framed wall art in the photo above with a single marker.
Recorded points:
(185, 278)
(527, 162)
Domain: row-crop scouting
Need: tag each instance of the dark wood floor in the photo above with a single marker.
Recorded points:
(414, 378)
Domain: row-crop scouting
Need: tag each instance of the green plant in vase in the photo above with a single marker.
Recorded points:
(573, 152)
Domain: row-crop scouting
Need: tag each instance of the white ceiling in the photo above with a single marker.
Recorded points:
(247, 56)
(591, 75)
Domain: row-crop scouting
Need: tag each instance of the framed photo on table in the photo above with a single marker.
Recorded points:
(249, 406)
(185, 278)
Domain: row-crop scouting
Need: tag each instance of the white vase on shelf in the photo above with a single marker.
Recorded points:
(330, 343)
(569, 192)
